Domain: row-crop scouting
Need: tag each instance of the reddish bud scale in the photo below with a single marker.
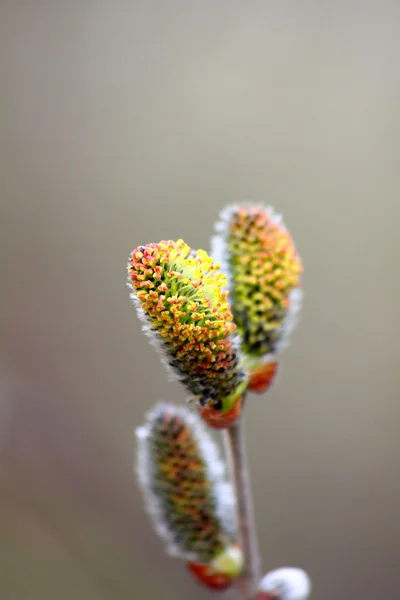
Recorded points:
(217, 420)
(262, 377)
(207, 576)
(268, 596)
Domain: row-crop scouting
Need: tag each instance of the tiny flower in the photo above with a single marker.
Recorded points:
(263, 270)
(186, 492)
(179, 295)
(287, 583)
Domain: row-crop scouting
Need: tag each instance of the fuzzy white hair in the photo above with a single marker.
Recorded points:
(288, 583)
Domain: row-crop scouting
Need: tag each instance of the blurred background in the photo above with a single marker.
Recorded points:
(127, 122)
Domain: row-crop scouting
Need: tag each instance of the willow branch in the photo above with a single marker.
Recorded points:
(236, 454)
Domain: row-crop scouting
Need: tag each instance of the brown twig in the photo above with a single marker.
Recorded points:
(236, 454)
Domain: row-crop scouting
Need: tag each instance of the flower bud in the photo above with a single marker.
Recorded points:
(263, 270)
(179, 295)
(186, 492)
(287, 583)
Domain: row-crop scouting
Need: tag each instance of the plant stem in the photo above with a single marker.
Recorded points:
(236, 454)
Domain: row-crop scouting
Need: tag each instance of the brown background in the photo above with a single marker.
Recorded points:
(126, 122)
